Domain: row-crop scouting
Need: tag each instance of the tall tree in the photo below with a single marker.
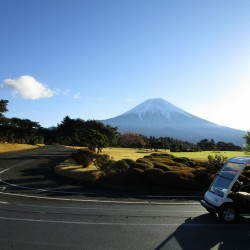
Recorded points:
(76, 131)
(3, 109)
(131, 140)
(3, 106)
(247, 141)
(3, 121)
(71, 131)
(206, 144)
(95, 140)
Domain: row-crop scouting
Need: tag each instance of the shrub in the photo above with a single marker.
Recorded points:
(162, 155)
(186, 161)
(179, 180)
(113, 178)
(165, 160)
(83, 157)
(106, 167)
(171, 179)
(215, 163)
(181, 159)
(119, 166)
(130, 162)
(135, 176)
(202, 179)
(152, 176)
(170, 160)
(145, 161)
(193, 164)
(162, 166)
(135, 164)
(142, 166)
(114, 172)
(159, 170)
(101, 159)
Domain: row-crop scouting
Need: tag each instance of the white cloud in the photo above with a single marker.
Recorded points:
(28, 88)
(77, 96)
(65, 92)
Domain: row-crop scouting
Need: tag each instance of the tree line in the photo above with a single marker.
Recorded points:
(134, 140)
(95, 135)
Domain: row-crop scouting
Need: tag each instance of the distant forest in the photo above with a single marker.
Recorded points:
(94, 135)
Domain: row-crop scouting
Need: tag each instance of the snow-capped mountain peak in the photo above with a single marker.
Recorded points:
(156, 106)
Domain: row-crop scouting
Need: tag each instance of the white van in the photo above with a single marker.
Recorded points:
(224, 196)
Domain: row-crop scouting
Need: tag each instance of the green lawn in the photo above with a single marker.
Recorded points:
(134, 154)
(131, 153)
(204, 154)
(10, 147)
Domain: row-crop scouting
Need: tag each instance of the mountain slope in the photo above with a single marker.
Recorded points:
(157, 117)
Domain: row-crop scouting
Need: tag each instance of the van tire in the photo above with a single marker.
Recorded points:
(228, 213)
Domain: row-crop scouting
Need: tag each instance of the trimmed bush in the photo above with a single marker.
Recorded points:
(114, 167)
(145, 161)
(183, 180)
(119, 166)
(142, 166)
(185, 161)
(202, 179)
(101, 159)
(155, 170)
(152, 176)
(135, 176)
(164, 160)
(181, 159)
(114, 172)
(165, 155)
(162, 166)
(83, 157)
(106, 168)
(130, 162)
(134, 164)
(171, 179)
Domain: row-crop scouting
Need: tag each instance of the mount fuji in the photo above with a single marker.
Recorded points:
(160, 118)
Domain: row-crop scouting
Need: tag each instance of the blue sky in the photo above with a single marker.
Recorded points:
(97, 59)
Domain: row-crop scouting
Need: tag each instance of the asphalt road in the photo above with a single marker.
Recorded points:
(38, 211)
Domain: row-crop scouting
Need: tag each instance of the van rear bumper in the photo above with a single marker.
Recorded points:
(209, 207)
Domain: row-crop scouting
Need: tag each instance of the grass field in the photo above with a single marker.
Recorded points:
(134, 154)
(9, 147)
(131, 153)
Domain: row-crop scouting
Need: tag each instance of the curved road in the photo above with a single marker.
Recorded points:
(38, 211)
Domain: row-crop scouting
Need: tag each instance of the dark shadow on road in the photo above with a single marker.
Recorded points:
(32, 169)
(207, 232)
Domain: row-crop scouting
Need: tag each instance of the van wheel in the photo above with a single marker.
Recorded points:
(228, 213)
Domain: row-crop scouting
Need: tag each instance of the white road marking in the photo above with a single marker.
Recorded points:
(4, 170)
(121, 224)
(3, 202)
(108, 209)
(102, 201)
